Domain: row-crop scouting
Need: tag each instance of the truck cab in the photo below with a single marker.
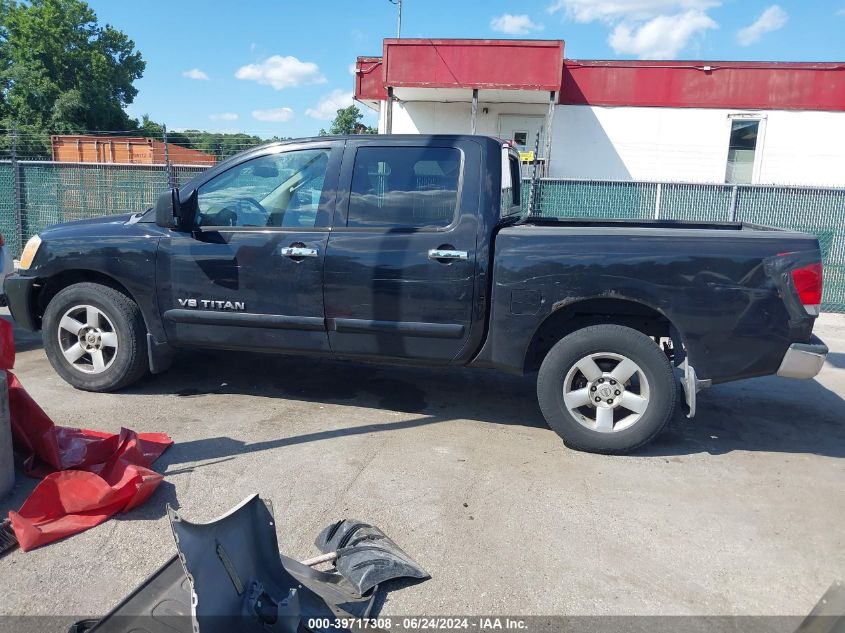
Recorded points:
(362, 248)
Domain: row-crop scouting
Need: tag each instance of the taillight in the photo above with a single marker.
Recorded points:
(808, 284)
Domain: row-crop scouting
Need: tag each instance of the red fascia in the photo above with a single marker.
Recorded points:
(528, 65)
(368, 79)
(482, 64)
(699, 84)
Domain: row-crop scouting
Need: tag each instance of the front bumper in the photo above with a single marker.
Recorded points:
(803, 360)
(19, 295)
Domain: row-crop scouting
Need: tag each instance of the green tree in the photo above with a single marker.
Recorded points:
(220, 144)
(61, 71)
(151, 129)
(348, 121)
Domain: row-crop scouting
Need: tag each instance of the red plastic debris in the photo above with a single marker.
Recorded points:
(90, 475)
(7, 347)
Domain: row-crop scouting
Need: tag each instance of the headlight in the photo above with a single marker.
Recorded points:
(29, 252)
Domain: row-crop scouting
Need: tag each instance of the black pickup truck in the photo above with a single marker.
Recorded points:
(416, 249)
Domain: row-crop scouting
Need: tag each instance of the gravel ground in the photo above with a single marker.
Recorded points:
(737, 512)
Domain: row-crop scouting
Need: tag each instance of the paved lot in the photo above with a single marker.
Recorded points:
(740, 511)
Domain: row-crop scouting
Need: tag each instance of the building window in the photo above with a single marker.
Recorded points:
(742, 151)
(520, 139)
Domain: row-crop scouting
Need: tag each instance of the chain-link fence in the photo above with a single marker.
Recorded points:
(36, 194)
(816, 210)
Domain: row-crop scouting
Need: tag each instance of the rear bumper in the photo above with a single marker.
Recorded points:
(803, 360)
(19, 291)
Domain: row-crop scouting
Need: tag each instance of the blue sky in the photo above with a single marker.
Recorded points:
(283, 66)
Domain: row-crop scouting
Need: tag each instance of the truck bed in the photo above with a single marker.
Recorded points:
(722, 286)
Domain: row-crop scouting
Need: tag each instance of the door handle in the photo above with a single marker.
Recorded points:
(441, 253)
(299, 251)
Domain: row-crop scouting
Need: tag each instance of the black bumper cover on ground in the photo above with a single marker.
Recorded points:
(232, 570)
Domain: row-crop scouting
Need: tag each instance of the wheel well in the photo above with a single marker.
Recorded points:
(579, 315)
(55, 284)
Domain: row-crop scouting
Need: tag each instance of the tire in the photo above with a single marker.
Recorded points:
(650, 390)
(115, 354)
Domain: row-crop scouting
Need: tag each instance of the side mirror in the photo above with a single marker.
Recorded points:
(170, 213)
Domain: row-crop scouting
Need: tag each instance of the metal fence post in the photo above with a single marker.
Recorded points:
(534, 191)
(658, 194)
(168, 166)
(733, 203)
(547, 144)
(18, 188)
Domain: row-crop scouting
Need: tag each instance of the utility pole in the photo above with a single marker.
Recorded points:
(398, 4)
(388, 118)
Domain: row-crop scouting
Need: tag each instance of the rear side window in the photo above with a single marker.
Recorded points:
(404, 187)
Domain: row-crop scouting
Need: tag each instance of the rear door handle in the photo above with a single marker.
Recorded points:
(437, 253)
(299, 251)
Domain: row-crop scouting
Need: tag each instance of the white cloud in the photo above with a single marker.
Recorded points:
(514, 24)
(282, 72)
(329, 104)
(770, 20)
(660, 38)
(351, 69)
(657, 29)
(223, 116)
(277, 115)
(195, 73)
(617, 10)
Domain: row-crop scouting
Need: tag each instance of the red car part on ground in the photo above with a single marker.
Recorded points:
(88, 475)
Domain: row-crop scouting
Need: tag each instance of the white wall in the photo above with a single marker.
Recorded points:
(426, 117)
(691, 144)
(674, 144)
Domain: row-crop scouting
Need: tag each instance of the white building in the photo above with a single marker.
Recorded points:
(695, 121)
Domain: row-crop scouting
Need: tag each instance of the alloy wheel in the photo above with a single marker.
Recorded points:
(88, 339)
(606, 392)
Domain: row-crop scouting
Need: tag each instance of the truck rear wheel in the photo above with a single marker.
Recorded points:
(94, 337)
(606, 389)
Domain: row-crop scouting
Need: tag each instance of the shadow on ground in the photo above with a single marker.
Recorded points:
(25, 340)
(837, 359)
(763, 414)
(22, 489)
(768, 414)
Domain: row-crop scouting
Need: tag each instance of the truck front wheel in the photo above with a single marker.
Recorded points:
(94, 337)
(606, 389)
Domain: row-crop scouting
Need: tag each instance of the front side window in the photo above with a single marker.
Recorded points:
(281, 190)
(404, 187)
(741, 151)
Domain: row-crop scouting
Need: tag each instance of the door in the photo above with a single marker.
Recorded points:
(400, 264)
(522, 130)
(251, 275)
